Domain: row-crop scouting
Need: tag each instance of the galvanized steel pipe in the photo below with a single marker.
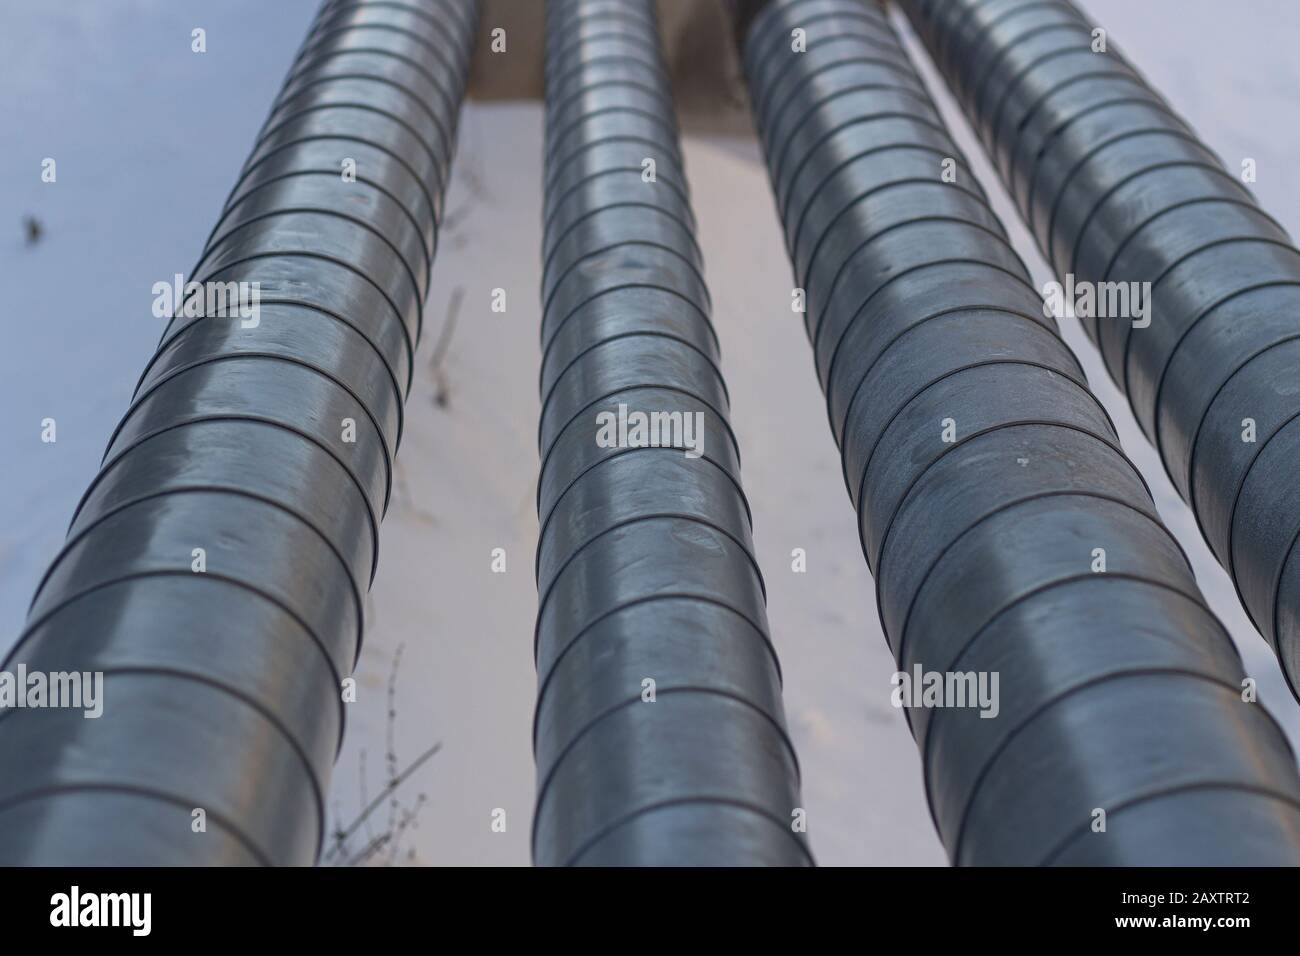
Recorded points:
(216, 568)
(1007, 532)
(659, 735)
(1117, 188)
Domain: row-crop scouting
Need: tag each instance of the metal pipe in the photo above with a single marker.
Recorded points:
(659, 734)
(215, 569)
(1008, 534)
(1118, 189)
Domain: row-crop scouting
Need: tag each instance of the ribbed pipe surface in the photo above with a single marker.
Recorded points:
(989, 481)
(222, 685)
(645, 564)
(1117, 188)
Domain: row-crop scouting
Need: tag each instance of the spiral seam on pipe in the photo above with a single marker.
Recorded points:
(922, 315)
(223, 680)
(645, 562)
(1153, 204)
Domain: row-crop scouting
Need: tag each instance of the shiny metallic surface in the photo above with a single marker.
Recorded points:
(645, 562)
(1118, 690)
(1118, 188)
(269, 445)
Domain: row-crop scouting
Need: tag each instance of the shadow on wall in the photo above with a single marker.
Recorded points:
(696, 35)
